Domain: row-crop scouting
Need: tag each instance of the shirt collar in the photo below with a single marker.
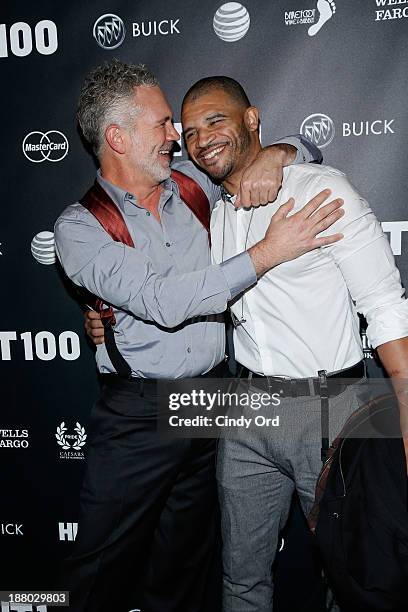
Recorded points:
(226, 196)
(120, 196)
(117, 194)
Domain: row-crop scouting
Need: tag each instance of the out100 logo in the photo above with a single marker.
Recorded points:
(20, 38)
(44, 345)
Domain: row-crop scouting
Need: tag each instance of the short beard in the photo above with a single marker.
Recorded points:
(155, 170)
(230, 165)
(151, 167)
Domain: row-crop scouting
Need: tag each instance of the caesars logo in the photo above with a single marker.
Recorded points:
(109, 30)
(14, 438)
(384, 14)
(11, 529)
(19, 38)
(44, 346)
(315, 18)
(231, 22)
(71, 443)
(319, 128)
(43, 248)
(67, 531)
(41, 146)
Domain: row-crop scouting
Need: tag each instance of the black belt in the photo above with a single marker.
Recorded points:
(141, 386)
(300, 387)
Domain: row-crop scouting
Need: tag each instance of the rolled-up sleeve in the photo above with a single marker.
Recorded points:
(367, 264)
(125, 278)
(307, 152)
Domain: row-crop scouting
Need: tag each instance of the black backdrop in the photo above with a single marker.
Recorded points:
(344, 86)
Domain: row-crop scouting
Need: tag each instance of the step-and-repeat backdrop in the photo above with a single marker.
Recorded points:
(334, 70)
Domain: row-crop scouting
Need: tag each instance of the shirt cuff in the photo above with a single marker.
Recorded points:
(390, 324)
(239, 272)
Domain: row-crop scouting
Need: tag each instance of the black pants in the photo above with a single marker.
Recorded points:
(147, 511)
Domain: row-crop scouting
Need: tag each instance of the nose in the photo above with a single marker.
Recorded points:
(204, 138)
(172, 133)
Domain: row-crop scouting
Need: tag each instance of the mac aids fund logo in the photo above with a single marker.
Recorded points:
(318, 128)
(231, 22)
(49, 146)
(109, 31)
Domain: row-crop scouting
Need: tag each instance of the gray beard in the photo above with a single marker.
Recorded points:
(155, 170)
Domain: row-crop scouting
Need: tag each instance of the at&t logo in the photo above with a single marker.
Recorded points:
(231, 22)
(43, 248)
(71, 444)
(109, 31)
(21, 38)
(40, 146)
(318, 128)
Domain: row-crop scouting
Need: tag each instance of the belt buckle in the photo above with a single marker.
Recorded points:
(282, 382)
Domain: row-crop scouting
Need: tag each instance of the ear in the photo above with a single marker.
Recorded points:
(251, 118)
(115, 138)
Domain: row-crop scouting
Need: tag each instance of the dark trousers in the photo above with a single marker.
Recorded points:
(147, 511)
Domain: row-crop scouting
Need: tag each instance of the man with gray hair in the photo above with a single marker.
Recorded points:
(148, 503)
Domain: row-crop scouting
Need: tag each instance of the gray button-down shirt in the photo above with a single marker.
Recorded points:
(162, 288)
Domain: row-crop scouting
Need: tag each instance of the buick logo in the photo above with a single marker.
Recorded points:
(51, 146)
(319, 129)
(109, 31)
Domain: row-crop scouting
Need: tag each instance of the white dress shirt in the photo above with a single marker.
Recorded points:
(301, 316)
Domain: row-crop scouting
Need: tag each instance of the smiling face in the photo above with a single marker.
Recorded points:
(152, 134)
(217, 133)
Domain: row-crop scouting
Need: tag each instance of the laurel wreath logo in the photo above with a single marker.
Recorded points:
(62, 441)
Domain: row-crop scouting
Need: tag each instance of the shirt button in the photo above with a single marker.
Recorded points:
(189, 350)
(167, 244)
(148, 213)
